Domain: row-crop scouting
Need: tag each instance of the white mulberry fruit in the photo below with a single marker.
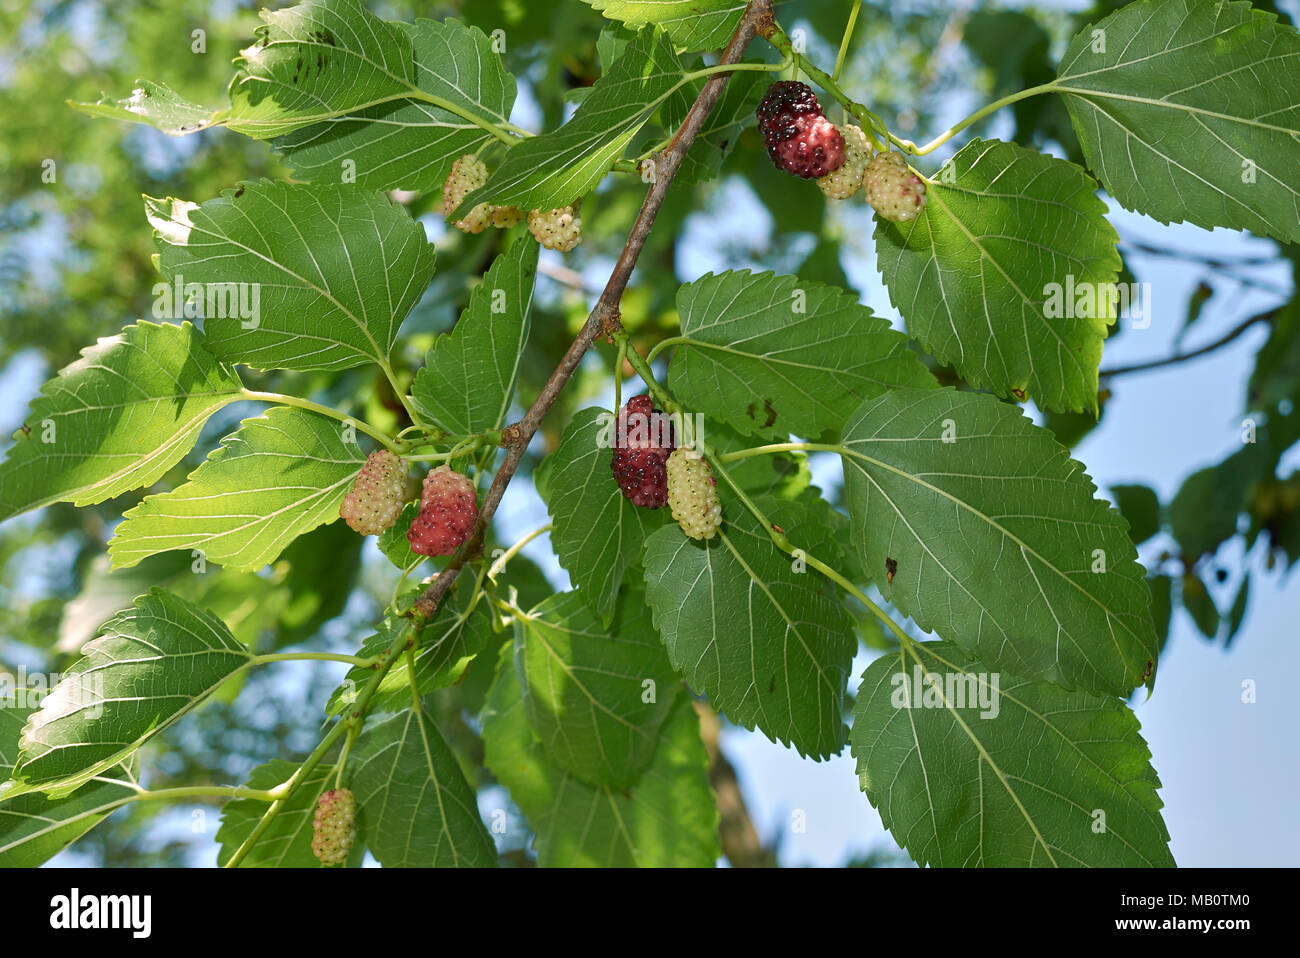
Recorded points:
(377, 495)
(557, 229)
(467, 174)
(847, 180)
(693, 494)
(897, 193)
(799, 138)
(642, 443)
(504, 217)
(448, 511)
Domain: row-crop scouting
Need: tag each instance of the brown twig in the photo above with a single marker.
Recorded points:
(565, 275)
(740, 842)
(1213, 261)
(1229, 336)
(605, 313)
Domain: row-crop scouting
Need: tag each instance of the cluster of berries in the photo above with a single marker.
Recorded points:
(557, 229)
(652, 472)
(801, 141)
(448, 506)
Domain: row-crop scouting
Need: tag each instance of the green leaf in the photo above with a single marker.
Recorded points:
(394, 544)
(1012, 45)
(1162, 607)
(597, 532)
(773, 355)
(116, 419)
(34, 828)
(105, 592)
(1200, 606)
(585, 687)
(1140, 506)
(1205, 511)
(995, 539)
(809, 215)
(280, 475)
(469, 377)
(611, 43)
(463, 90)
(1195, 307)
(692, 24)
(150, 665)
(560, 167)
(335, 270)
(668, 818)
(991, 276)
(1190, 112)
(416, 810)
(1237, 613)
(448, 644)
(823, 265)
(287, 841)
(251, 605)
(1276, 376)
(1017, 773)
(155, 105)
(322, 567)
(315, 61)
(722, 127)
(762, 637)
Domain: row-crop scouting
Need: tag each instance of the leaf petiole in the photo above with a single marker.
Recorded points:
(846, 39)
(309, 656)
(501, 560)
(975, 117)
(285, 400)
(201, 791)
(666, 344)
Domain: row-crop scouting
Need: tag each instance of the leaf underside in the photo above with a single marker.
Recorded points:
(1190, 112)
(278, 476)
(667, 818)
(974, 274)
(984, 769)
(116, 419)
(978, 525)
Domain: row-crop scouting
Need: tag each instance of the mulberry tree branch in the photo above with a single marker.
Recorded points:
(604, 320)
(604, 317)
(739, 838)
(1265, 317)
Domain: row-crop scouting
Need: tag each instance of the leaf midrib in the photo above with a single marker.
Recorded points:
(984, 754)
(1085, 93)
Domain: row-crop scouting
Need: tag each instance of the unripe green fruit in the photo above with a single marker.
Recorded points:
(693, 494)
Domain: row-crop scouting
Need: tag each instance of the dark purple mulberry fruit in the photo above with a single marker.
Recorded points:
(642, 446)
(798, 137)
